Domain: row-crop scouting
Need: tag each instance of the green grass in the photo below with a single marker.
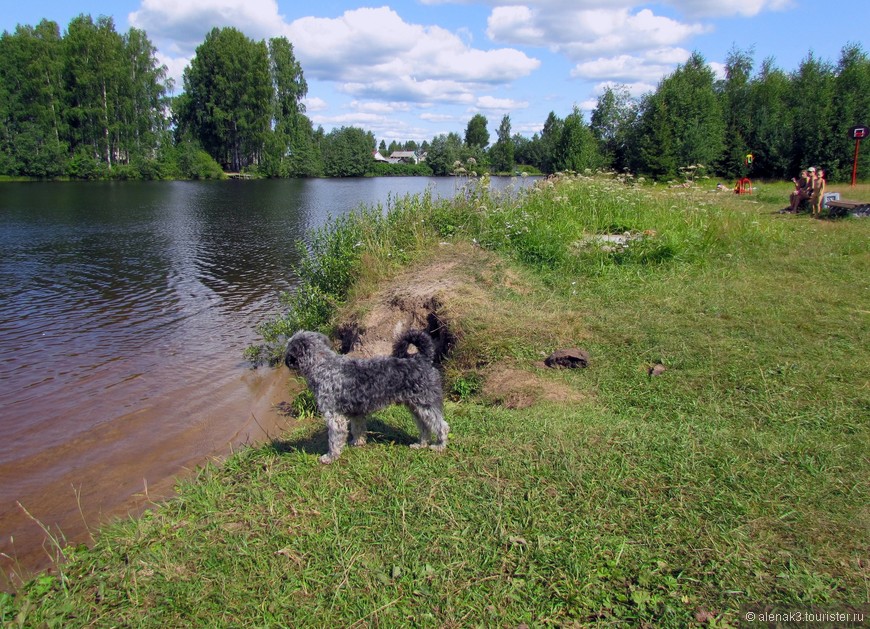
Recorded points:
(736, 478)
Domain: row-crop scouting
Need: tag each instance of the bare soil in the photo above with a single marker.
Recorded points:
(461, 295)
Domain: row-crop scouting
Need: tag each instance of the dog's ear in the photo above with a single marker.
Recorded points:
(290, 359)
(292, 353)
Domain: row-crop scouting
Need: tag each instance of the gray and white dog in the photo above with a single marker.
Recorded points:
(348, 389)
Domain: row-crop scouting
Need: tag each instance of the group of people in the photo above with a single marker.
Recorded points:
(810, 187)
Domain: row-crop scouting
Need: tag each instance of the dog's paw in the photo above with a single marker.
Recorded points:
(326, 459)
(358, 443)
(417, 446)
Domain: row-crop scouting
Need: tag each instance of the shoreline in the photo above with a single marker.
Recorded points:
(67, 506)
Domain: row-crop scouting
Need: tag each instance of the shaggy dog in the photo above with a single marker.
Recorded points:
(348, 389)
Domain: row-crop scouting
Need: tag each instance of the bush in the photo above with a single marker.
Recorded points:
(383, 169)
(195, 163)
(84, 165)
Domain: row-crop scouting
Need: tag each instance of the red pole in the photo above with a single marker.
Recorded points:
(855, 162)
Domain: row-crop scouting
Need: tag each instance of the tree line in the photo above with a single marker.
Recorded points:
(95, 103)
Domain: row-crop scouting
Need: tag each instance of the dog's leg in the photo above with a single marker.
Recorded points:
(358, 431)
(433, 428)
(422, 426)
(438, 428)
(337, 427)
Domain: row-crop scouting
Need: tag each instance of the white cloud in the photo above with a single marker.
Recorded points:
(718, 69)
(413, 61)
(635, 89)
(717, 8)
(438, 117)
(692, 8)
(379, 107)
(648, 67)
(370, 53)
(174, 69)
(313, 104)
(500, 105)
(583, 33)
(185, 23)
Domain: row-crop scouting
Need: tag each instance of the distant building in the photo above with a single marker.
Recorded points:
(406, 157)
(378, 157)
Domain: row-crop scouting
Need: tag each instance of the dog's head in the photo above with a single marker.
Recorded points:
(303, 348)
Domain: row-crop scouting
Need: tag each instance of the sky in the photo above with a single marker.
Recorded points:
(414, 69)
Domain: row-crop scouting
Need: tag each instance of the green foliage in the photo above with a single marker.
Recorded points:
(501, 155)
(681, 123)
(467, 386)
(95, 92)
(347, 152)
(84, 165)
(384, 169)
(576, 149)
(304, 405)
(194, 163)
(228, 107)
(92, 91)
(611, 124)
(476, 133)
(328, 265)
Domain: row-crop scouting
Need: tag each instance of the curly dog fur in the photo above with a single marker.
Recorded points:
(348, 389)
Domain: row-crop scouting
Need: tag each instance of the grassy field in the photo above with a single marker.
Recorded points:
(736, 480)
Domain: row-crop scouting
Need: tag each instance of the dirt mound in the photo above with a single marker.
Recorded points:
(415, 299)
(467, 299)
(514, 388)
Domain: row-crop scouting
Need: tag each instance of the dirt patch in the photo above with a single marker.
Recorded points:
(422, 298)
(480, 312)
(514, 388)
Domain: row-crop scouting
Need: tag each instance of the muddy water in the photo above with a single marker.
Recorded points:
(124, 310)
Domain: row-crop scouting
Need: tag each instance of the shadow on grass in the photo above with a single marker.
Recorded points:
(316, 443)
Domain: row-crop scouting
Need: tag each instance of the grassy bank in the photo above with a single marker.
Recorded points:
(737, 478)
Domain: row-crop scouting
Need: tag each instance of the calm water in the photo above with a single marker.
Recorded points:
(124, 310)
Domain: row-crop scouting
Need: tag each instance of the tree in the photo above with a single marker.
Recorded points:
(735, 100)
(810, 96)
(850, 108)
(288, 146)
(681, 124)
(444, 152)
(501, 155)
(143, 98)
(229, 104)
(577, 148)
(93, 73)
(611, 123)
(769, 131)
(476, 133)
(550, 137)
(33, 133)
(347, 152)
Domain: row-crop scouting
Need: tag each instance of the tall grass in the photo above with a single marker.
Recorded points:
(549, 227)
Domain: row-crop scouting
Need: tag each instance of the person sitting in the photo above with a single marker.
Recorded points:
(803, 189)
(818, 193)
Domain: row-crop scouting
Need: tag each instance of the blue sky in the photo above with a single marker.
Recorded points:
(412, 69)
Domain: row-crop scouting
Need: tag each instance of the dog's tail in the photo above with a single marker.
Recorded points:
(419, 339)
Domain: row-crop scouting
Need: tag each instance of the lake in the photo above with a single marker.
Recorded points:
(124, 311)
